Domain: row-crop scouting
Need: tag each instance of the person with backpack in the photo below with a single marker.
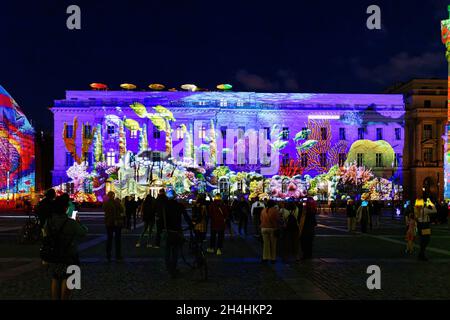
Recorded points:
(45, 207)
(256, 210)
(148, 215)
(199, 218)
(59, 248)
(291, 232)
(114, 221)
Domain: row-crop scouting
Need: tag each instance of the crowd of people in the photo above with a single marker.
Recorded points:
(285, 229)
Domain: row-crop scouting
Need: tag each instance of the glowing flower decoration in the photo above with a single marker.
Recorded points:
(139, 109)
(131, 124)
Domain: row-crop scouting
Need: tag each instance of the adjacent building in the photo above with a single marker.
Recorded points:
(17, 161)
(425, 121)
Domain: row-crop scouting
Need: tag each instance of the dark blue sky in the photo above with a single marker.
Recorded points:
(305, 46)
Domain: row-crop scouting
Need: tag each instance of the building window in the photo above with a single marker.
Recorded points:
(110, 130)
(223, 103)
(379, 133)
(179, 133)
(427, 131)
(241, 132)
(397, 160)
(304, 160)
(427, 104)
(323, 133)
(342, 134)
(304, 129)
(361, 133)
(285, 133)
(428, 154)
(241, 158)
(379, 160)
(110, 158)
(398, 134)
(285, 160)
(240, 103)
(156, 156)
(267, 129)
(69, 131)
(342, 158)
(202, 132)
(223, 130)
(69, 159)
(224, 185)
(87, 131)
(87, 157)
(133, 134)
(360, 159)
(323, 159)
(156, 133)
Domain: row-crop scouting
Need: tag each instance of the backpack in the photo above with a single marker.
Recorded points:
(53, 249)
(291, 224)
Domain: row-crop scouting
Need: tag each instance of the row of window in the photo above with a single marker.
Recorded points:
(428, 132)
(87, 157)
(341, 161)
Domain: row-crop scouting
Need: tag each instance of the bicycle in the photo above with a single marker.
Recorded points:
(196, 258)
(31, 232)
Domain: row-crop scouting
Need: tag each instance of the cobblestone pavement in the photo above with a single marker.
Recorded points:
(338, 270)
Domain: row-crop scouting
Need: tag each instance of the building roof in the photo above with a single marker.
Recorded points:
(226, 98)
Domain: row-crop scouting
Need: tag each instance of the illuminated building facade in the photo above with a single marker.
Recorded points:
(17, 163)
(425, 127)
(315, 131)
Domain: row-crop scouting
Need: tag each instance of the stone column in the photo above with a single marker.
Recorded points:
(418, 143)
(439, 133)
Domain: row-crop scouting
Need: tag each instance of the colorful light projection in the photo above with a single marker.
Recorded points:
(445, 35)
(17, 167)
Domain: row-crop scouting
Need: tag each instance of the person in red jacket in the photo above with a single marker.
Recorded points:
(218, 214)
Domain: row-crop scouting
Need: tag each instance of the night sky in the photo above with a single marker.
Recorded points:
(277, 46)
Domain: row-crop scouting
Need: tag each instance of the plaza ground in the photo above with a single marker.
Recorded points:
(338, 270)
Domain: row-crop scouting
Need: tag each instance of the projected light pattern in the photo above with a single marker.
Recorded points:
(445, 36)
(319, 129)
(16, 148)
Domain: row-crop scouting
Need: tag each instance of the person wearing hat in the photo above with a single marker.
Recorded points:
(363, 215)
(218, 214)
(422, 213)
